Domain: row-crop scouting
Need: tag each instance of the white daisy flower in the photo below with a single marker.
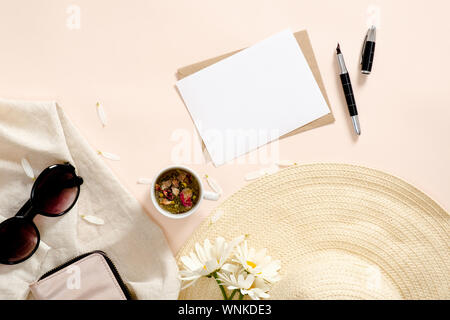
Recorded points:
(240, 279)
(258, 263)
(258, 290)
(207, 259)
(246, 283)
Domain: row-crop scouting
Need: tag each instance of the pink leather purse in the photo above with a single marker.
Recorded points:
(91, 276)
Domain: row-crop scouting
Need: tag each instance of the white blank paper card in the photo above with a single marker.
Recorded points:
(252, 97)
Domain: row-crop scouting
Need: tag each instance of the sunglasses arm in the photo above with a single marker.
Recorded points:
(26, 211)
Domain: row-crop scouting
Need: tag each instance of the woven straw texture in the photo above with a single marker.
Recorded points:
(340, 231)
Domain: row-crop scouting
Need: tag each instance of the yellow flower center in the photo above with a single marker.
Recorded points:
(251, 264)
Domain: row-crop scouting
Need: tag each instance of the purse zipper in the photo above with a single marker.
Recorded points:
(116, 274)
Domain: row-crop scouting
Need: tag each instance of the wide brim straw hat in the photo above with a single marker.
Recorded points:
(340, 231)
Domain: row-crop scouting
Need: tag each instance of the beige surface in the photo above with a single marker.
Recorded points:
(340, 231)
(126, 53)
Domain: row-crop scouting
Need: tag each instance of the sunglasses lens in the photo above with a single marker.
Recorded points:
(18, 238)
(56, 191)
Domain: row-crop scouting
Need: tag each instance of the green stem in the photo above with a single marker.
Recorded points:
(232, 294)
(241, 296)
(220, 286)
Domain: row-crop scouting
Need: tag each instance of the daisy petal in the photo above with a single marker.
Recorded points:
(253, 175)
(189, 263)
(189, 284)
(286, 163)
(229, 267)
(212, 265)
(213, 184)
(216, 216)
(144, 181)
(101, 114)
(93, 219)
(108, 155)
(27, 168)
(270, 170)
(247, 283)
(201, 252)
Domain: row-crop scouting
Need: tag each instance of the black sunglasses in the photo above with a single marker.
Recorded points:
(54, 193)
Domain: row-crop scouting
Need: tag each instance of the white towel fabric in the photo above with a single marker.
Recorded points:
(40, 132)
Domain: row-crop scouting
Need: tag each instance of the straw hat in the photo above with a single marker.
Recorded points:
(340, 231)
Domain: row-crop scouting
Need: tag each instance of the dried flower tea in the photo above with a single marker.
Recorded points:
(177, 191)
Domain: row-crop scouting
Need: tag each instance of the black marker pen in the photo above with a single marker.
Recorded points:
(368, 51)
(348, 91)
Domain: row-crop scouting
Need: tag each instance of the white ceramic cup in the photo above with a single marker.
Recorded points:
(208, 195)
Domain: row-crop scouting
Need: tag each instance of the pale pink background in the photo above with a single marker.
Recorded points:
(126, 53)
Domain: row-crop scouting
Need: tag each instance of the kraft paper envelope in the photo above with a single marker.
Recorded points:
(305, 44)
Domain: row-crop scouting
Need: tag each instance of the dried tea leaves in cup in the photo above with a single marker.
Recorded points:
(177, 191)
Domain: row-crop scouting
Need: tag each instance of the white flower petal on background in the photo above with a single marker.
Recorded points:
(213, 184)
(93, 219)
(144, 181)
(216, 216)
(101, 114)
(270, 170)
(109, 156)
(253, 175)
(286, 163)
(258, 174)
(27, 168)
